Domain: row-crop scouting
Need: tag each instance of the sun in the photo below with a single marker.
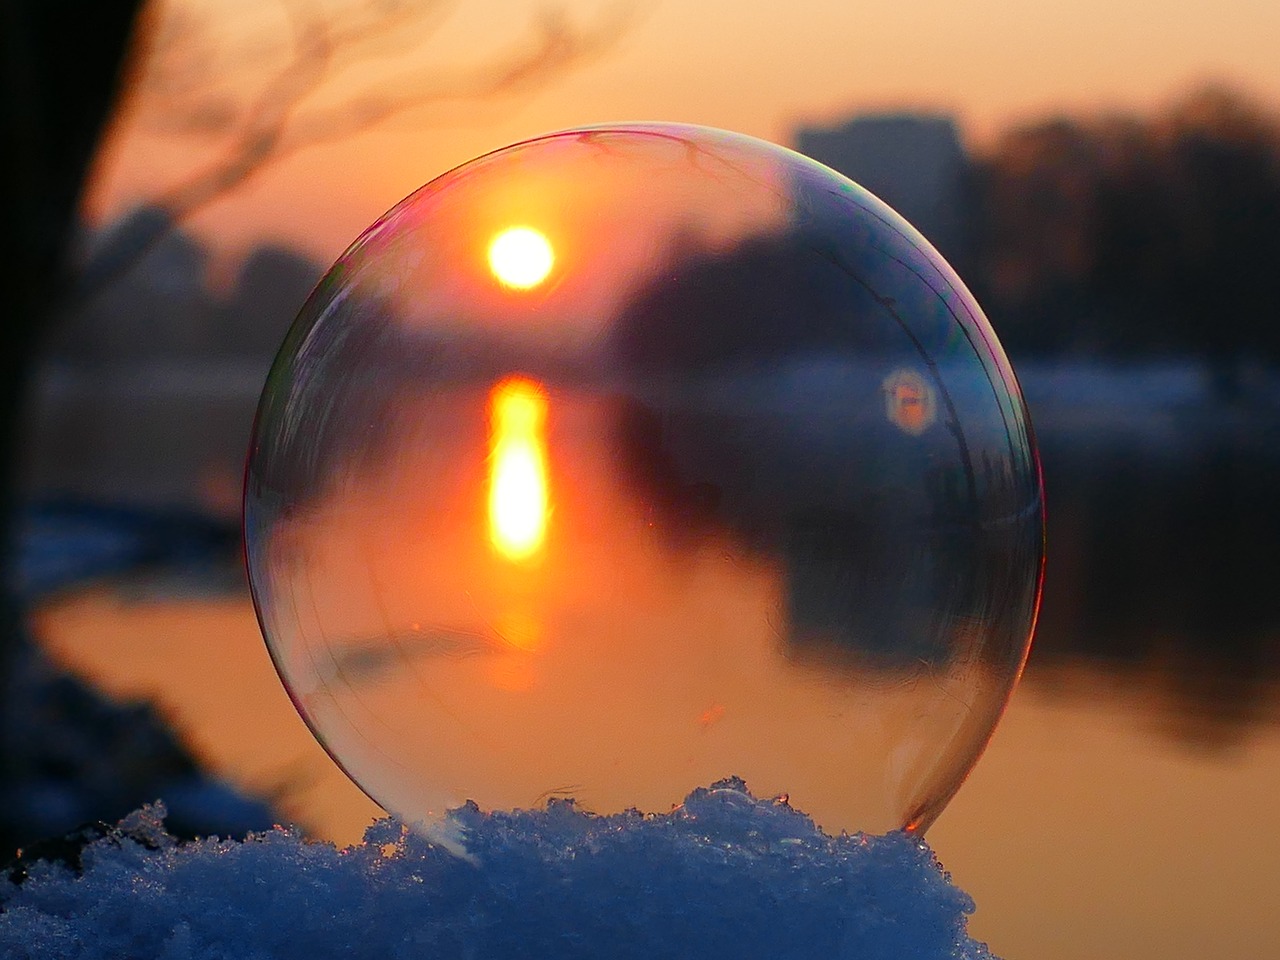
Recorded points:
(521, 257)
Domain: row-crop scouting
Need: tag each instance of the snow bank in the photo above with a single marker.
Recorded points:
(722, 876)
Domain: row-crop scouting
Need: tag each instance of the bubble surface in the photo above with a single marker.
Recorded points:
(629, 459)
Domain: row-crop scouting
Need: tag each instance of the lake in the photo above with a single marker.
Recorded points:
(1095, 826)
(1121, 808)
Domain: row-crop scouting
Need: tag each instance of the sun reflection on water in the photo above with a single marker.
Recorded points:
(518, 503)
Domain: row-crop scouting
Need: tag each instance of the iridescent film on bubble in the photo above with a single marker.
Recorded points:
(627, 459)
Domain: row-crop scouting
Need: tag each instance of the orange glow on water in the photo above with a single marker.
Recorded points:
(518, 506)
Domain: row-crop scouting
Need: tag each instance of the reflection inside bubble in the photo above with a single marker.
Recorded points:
(517, 468)
(521, 257)
(741, 484)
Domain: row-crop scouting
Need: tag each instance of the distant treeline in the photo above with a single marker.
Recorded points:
(1127, 236)
(1115, 237)
(166, 308)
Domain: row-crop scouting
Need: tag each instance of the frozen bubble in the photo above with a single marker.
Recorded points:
(627, 459)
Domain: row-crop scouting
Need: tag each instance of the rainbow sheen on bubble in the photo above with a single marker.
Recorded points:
(628, 459)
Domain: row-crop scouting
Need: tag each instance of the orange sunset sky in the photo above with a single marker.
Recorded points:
(758, 66)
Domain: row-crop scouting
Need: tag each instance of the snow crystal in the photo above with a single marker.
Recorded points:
(724, 875)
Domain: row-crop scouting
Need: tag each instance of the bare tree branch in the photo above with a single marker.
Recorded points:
(283, 119)
(557, 49)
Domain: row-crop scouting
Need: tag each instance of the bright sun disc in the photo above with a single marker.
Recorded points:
(521, 257)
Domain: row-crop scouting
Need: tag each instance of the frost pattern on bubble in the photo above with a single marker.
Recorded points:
(722, 876)
(627, 459)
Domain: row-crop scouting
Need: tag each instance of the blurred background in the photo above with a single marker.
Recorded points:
(1105, 177)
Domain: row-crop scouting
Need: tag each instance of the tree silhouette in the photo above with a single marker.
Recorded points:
(56, 91)
(62, 66)
(1127, 236)
(311, 99)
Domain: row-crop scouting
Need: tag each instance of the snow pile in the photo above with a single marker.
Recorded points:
(722, 876)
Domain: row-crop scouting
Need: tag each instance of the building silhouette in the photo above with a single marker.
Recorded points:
(913, 162)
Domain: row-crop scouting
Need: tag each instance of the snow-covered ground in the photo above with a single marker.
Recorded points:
(722, 876)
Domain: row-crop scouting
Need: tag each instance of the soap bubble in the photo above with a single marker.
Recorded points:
(625, 460)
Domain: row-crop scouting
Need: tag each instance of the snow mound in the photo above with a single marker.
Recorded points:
(724, 875)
